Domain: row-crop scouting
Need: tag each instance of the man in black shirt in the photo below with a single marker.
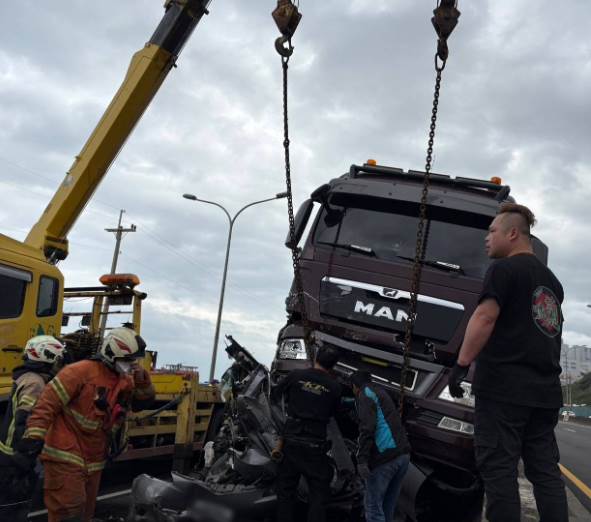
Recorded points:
(515, 334)
(313, 397)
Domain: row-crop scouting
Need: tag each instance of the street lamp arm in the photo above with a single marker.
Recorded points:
(217, 205)
(250, 205)
(231, 221)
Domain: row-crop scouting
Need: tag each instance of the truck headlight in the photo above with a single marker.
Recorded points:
(466, 400)
(292, 349)
(449, 423)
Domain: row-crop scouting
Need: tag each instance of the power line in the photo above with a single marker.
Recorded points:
(192, 261)
(169, 246)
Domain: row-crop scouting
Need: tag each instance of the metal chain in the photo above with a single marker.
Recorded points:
(300, 301)
(422, 237)
(445, 19)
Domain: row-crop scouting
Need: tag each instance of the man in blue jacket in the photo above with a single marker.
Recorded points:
(383, 456)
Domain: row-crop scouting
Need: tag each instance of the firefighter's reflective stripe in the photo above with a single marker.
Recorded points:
(6, 449)
(82, 421)
(10, 434)
(27, 400)
(96, 466)
(58, 387)
(64, 456)
(71, 458)
(17, 402)
(35, 433)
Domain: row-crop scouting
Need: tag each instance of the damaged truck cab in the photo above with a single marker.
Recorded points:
(356, 268)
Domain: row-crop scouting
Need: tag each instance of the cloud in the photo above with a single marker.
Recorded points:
(514, 104)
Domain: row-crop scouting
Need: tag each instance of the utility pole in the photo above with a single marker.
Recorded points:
(119, 231)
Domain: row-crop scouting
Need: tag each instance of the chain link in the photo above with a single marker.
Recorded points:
(300, 300)
(421, 245)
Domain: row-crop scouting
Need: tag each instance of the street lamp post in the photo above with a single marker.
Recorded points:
(231, 221)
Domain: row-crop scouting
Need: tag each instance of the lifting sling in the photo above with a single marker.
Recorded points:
(445, 19)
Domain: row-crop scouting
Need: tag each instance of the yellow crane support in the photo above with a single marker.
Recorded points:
(32, 288)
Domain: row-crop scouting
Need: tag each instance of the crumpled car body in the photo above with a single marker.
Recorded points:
(239, 483)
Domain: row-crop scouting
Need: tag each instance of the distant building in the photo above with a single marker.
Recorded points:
(575, 361)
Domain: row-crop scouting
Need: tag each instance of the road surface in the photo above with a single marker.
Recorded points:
(574, 441)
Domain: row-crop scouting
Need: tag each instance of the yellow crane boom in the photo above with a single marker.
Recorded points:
(31, 287)
(148, 69)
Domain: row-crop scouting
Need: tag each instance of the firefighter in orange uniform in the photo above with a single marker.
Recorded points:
(74, 419)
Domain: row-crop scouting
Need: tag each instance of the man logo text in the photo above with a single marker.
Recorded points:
(386, 312)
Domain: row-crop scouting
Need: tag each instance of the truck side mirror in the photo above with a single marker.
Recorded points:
(320, 195)
(540, 249)
(300, 222)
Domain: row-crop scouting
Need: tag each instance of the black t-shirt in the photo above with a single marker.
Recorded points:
(520, 363)
(313, 397)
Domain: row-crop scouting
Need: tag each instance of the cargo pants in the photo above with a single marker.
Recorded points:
(310, 461)
(504, 433)
(69, 492)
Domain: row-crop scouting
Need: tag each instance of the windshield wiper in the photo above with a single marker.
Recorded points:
(368, 251)
(442, 265)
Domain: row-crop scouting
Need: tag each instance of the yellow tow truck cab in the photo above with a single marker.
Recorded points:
(31, 303)
(32, 287)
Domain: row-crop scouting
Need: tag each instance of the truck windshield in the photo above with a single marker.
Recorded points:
(455, 239)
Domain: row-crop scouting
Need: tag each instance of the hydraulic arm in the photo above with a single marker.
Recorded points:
(32, 288)
(148, 69)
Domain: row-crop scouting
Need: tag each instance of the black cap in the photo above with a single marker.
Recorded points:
(360, 378)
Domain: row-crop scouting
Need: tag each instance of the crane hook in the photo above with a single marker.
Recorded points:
(287, 17)
(283, 46)
(445, 18)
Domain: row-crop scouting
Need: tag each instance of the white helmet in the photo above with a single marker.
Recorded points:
(122, 343)
(44, 349)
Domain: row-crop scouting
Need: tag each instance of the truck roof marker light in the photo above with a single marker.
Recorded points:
(129, 280)
(371, 162)
(496, 180)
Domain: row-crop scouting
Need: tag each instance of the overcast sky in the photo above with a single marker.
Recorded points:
(514, 104)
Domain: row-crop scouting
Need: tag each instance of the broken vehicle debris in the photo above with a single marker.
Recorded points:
(241, 472)
(238, 471)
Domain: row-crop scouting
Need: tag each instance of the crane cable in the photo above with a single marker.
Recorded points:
(445, 19)
(287, 17)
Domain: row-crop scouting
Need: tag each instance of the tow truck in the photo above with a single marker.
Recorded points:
(32, 286)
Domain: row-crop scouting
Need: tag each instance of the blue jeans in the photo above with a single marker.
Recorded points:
(382, 489)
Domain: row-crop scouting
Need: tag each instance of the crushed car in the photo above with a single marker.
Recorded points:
(234, 481)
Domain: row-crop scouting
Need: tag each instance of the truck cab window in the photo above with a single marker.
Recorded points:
(48, 294)
(13, 286)
(390, 234)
